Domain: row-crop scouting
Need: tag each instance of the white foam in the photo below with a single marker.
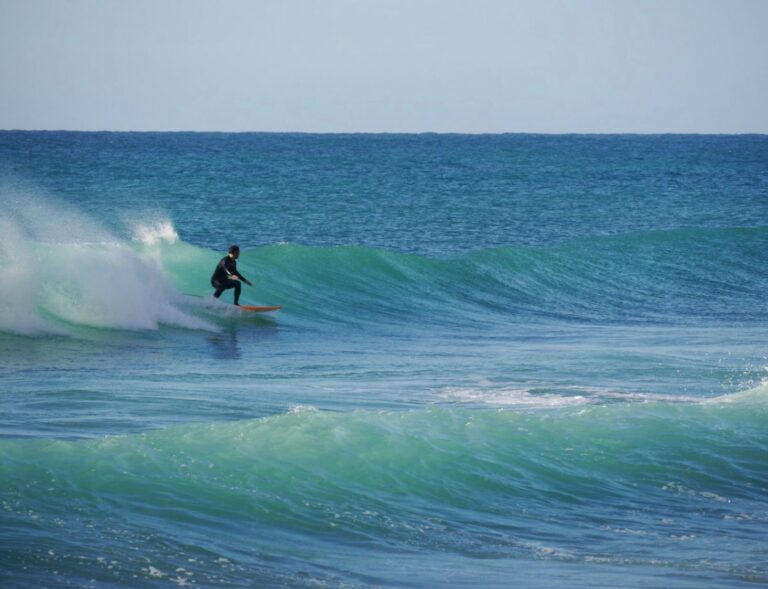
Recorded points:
(513, 397)
(534, 397)
(296, 409)
(758, 394)
(210, 305)
(636, 397)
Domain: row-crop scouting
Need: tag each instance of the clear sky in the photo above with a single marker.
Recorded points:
(476, 66)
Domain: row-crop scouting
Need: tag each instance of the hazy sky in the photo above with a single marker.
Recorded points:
(476, 66)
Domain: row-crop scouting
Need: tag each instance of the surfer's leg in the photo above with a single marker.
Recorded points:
(237, 291)
(220, 288)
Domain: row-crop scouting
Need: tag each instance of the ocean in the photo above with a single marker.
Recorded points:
(502, 361)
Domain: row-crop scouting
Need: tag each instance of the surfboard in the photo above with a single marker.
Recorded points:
(253, 308)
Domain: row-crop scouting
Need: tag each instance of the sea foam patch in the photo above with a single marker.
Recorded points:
(513, 397)
(534, 397)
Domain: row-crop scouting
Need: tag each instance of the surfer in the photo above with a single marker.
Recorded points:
(226, 276)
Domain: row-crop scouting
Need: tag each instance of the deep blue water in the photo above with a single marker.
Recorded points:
(504, 360)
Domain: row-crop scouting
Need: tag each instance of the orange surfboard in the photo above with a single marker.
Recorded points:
(260, 309)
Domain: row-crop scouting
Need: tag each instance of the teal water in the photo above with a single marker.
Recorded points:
(534, 361)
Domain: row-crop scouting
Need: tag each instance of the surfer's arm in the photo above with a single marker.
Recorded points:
(232, 272)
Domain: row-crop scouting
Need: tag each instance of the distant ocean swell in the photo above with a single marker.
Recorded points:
(142, 283)
(631, 483)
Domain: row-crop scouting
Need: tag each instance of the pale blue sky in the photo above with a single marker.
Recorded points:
(550, 66)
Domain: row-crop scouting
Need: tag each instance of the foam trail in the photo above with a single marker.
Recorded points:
(513, 398)
(534, 398)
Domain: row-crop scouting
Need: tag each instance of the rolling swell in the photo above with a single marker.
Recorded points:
(667, 276)
(698, 273)
(624, 484)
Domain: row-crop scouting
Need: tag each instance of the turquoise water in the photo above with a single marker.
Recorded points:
(535, 361)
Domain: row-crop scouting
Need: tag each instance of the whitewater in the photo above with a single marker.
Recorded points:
(509, 360)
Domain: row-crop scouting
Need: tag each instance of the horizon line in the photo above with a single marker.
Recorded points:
(469, 133)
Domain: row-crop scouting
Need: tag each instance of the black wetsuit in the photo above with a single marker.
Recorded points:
(221, 280)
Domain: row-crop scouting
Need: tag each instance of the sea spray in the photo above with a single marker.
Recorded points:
(153, 233)
(61, 269)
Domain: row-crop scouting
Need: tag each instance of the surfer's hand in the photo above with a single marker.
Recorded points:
(249, 283)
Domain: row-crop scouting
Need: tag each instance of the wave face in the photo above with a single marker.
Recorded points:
(630, 485)
(713, 274)
(675, 276)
